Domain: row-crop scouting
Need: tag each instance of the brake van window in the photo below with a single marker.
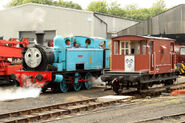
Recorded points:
(115, 47)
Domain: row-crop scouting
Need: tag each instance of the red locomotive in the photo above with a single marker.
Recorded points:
(9, 53)
(180, 54)
(140, 62)
(180, 58)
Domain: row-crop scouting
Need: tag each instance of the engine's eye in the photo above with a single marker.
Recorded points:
(37, 55)
(29, 55)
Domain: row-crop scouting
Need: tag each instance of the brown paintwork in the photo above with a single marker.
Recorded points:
(162, 59)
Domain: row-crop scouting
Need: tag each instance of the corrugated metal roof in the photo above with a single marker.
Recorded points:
(158, 15)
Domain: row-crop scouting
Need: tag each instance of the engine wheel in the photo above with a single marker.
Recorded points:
(43, 90)
(64, 87)
(116, 87)
(144, 86)
(88, 84)
(168, 82)
(77, 85)
(15, 83)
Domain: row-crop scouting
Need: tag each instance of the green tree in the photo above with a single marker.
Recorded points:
(60, 3)
(138, 14)
(131, 11)
(158, 7)
(19, 2)
(115, 9)
(144, 13)
(67, 4)
(98, 6)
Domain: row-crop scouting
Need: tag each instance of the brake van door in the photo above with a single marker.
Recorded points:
(151, 56)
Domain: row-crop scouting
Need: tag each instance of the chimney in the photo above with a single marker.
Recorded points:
(40, 37)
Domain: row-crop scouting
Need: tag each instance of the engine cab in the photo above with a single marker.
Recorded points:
(80, 53)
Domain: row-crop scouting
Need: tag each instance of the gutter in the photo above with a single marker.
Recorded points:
(101, 21)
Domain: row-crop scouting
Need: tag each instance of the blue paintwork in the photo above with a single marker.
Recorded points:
(59, 42)
(107, 59)
(58, 78)
(68, 56)
(91, 58)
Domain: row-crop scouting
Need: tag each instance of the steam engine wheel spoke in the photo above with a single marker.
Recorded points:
(64, 87)
(76, 84)
(88, 83)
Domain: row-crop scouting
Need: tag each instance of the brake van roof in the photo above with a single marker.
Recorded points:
(141, 37)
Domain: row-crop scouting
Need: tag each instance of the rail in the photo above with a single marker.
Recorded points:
(161, 118)
(53, 111)
(58, 110)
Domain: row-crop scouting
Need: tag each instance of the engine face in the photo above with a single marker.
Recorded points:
(33, 57)
(37, 58)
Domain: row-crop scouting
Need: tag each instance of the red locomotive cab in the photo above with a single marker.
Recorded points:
(143, 54)
(180, 54)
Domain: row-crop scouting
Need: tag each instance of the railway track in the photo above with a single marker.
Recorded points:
(54, 111)
(166, 88)
(57, 110)
(156, 90)
(160, 119)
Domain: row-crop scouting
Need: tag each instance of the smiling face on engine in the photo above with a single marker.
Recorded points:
(33, 57)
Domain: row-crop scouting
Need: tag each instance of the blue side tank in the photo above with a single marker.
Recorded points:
(79, 52)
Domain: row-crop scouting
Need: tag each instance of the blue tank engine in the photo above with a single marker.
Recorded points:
(72, 62)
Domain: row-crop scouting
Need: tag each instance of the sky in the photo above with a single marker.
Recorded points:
(140, 3)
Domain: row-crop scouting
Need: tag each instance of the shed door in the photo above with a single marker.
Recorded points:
(151, 58)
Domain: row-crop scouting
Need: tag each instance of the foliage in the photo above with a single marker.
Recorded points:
(138, 14)
(60, 3)
(130, 11)
(115, 9)
(158, 7)
(67, 4)
(98, 6)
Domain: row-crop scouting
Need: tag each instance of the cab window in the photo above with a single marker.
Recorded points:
(182, 51)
